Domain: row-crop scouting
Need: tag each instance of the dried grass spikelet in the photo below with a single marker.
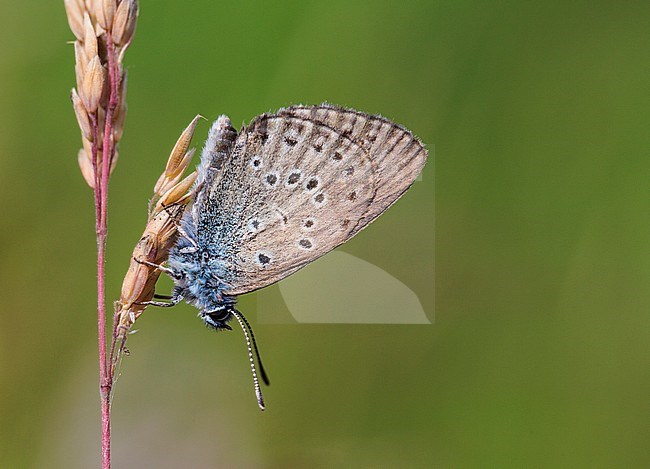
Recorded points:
(75, 12)
(178, 159)
(86, 166)
(177, 193)
(168, 204)
(82, 115)
(90, 37)
(101, 28)
(124, 21)
(92, 87)
(105, 11)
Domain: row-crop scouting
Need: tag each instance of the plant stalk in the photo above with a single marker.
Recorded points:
(101, 203)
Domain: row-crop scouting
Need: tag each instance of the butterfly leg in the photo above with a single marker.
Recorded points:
(161, 304)
(184, 234)
(173, 300)
(162, 268)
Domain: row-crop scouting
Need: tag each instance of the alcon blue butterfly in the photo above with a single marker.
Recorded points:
(275, 196)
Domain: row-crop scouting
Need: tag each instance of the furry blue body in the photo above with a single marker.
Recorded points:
(199, 276)
(197, 261)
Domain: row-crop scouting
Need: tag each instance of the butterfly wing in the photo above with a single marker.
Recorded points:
(398, 155)
(295, 187)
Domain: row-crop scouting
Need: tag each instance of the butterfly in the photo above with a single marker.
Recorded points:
(277, 195)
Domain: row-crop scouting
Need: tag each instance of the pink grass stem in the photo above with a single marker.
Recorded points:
(101, 202)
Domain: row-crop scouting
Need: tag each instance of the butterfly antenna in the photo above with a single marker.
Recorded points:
(265, 377)
(250, 339)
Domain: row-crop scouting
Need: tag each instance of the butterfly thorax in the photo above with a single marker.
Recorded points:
(197, 275)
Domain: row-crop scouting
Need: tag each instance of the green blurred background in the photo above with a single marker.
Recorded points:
(538, 355)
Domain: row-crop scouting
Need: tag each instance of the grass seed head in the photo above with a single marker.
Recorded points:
(178, 161)
(82, 115)
(90, 37)
(169, 180)
(180, 148)
(105, 12)
(124, 21)
(159, 235)
(86, 167)
(74, 9)
(93, 84)
(173, 195)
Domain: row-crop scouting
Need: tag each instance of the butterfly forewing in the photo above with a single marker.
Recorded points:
(398, 155)
(300, 183)
(292, 190)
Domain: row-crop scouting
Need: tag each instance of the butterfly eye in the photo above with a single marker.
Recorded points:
(219, 315)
